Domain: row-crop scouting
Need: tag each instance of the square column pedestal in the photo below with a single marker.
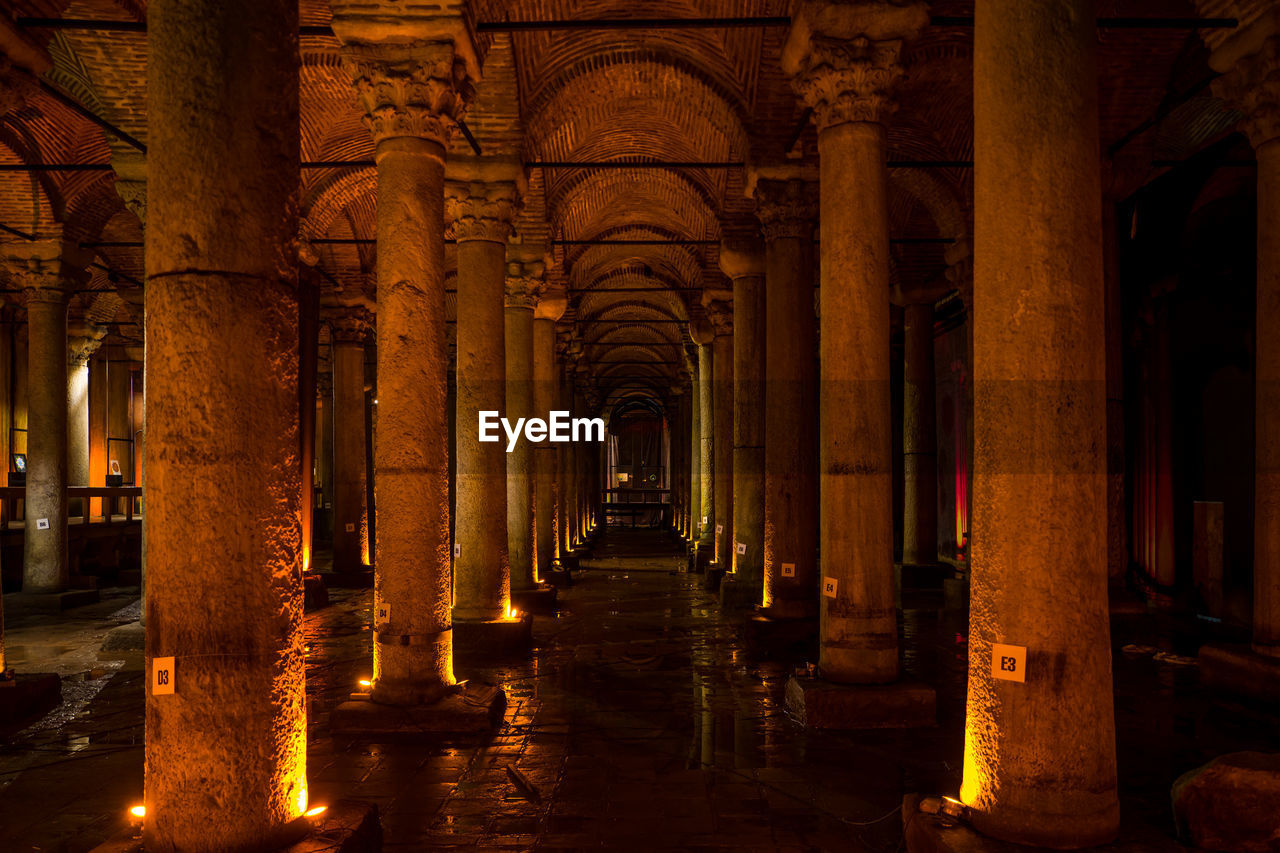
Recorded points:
(818, 704)
(347, 826)
(1239, 670)
(27, 696)
(783, 639)
(493, 637)
(931, 832)
(540, 599)
(473, 709)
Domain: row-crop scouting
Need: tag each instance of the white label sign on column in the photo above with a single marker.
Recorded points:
(719, 529)
(742, 547)
(1009, 663)
(162, 676)
(829, 587)
(42, 524)
(351, 527)
(457, 549)
(788, 570)
(382, 613)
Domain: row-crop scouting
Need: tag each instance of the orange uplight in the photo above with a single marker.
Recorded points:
(138, 811)
(364, 682)
(318, 810)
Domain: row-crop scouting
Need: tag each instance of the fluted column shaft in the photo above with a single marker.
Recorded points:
(224, 575)
(1040, 763)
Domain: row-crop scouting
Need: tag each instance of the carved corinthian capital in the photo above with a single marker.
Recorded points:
(480, 211)
(1252, 85)
(349, 324)
(842, 56)
(45, 269)
(525, 283)
(786, 208)
(409, 90)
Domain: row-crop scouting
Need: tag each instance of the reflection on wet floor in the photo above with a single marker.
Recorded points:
(638, 722)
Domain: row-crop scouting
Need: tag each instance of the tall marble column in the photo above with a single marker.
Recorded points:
(719, 305)
(1250, 64)
(46, 270)
(524, 286)
(308, 366)
(412, 94)
(1039, 765)
(481, 204)
(83, 340)
(677, 447)
(226, 731)
(703, 334)
(349, 328)
(744, 265)
(549, 309)
(694, 466)
(786, 206)
(843, 59)
(919, 439)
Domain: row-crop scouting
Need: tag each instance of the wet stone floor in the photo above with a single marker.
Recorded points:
(638, 722)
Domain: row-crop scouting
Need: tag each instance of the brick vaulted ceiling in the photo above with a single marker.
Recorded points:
(583, 95)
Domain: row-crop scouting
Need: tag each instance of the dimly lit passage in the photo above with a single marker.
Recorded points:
(799, 425)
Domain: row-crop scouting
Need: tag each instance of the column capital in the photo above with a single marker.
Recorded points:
(131, 181)
(524, 284)
(552, 305)
(740, 258)
(83, 340)
(481, 210)
(842, 56)
(418, 90)
(45, 269)
(719, 307)
(1252, 86)
(786, 208)
(349, 324)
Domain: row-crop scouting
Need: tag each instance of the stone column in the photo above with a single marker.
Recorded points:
(349, 328)
(324, 448)
(226, 749)
(1039, 763)
(411, 94)
(82, 342)
(744, 265)
(46, 270)
(481, 208)
(787, 207)
(719, 305)
(703, 335)
(308, 365)
(919, 439)
(843, 59)
(695, 460)
(549, 309)
(1250, 64)
(524, 286)
(564, 477)
(676, 444)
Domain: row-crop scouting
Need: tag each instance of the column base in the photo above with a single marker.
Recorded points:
(124, 642)
(711, 578)
(53, 602)
(493, 636)
(703, 555)
(559, 575)
(315, 593)
(819, 704)
(475, 709)
(347, 826)
(788, 639)
(738, 594)
(923, 575)
(1238, 669)
(360, 579)
(537, 599)
(1230, 803)
(936, 833)
(27, 696)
